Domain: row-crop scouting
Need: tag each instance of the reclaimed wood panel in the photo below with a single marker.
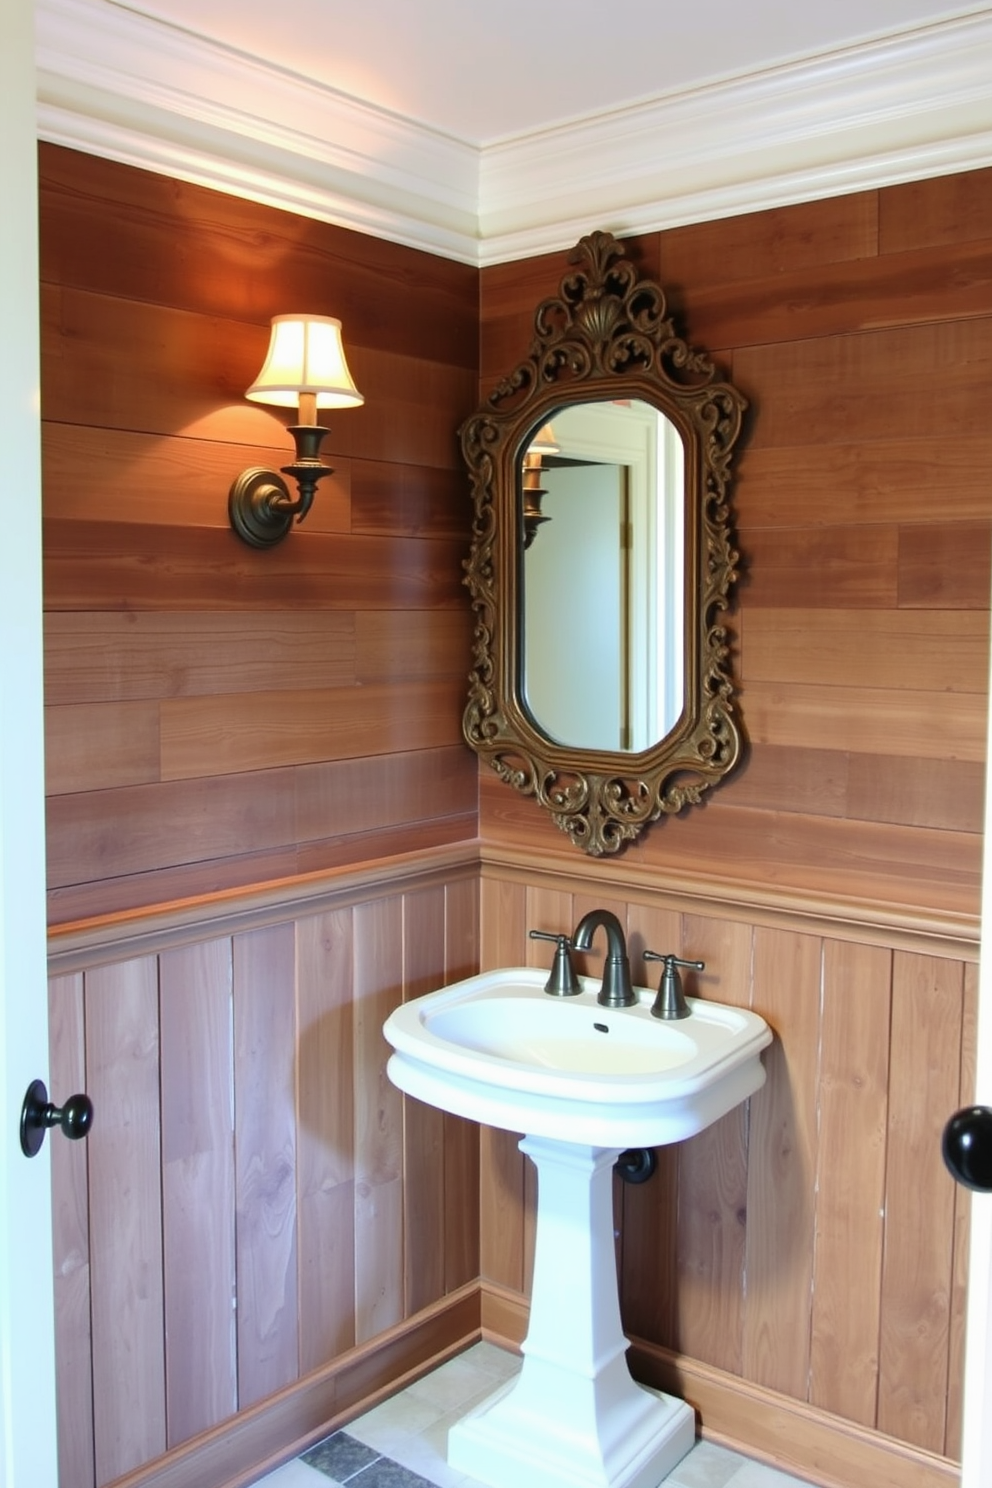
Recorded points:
(111, 228)
(820, 857)
(378, 988)
(325, 1136)
(868, 720)
(461, 1138)
(125, 1217)
(713, 1176)
(94, 746)
(198, 1186)
(942, 652)
(117, 657)
(265, 1093)
(853, 1091)
(71, 1243)
(782, 1145)
(124, 566)
(926, 480)
(423, 1125)
(948, 209)
(503, 928)
(925, 1054)
(259, 731)
(99, 475)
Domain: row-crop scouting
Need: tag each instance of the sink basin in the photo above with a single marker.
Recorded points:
(498, 1049)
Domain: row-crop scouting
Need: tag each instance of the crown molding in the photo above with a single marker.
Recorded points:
(119, 84)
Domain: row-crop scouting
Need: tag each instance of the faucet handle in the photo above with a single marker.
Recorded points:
(670, 1002)
(563, 981)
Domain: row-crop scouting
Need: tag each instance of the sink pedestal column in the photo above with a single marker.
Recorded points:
(573, 1418)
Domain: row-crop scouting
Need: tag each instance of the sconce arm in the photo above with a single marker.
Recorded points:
(260, 504)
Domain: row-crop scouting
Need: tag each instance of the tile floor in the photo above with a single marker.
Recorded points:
(401, 1443)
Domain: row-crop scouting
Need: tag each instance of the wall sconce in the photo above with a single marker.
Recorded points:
(304, 367)
(544, 443)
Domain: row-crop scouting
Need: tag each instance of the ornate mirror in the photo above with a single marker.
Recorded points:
(601, 560)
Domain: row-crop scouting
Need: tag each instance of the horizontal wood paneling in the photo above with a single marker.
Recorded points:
(236, 256)
(326, 675)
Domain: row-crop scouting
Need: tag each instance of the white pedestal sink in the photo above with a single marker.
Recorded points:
(584, 1082)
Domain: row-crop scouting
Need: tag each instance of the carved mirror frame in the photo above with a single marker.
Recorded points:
(605, 335)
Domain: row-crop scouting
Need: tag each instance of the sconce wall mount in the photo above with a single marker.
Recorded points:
(305, 366)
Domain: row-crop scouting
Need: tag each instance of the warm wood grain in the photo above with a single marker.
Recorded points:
(379, 1265)
(103, 475)
(110, 229)
(850, 1180)
(924, 480)
(92, 747)
(71, 1242)
(124, 566)
(265, 1082)
(912, 381)
(782, 1149)
(713, 1173)
(423, 1125)
(125, 1217)
(950, 209)
(871, 721)
(917, 1265)
(461, 1138)
(198, 1209)
(259, 731)
(886, 650)
(962, 1227)
(325, 1137)
(113, 657)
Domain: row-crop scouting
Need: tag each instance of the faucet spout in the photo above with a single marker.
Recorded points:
(616, 990)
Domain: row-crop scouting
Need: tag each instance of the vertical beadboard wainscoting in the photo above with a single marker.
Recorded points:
(260, 1233)
(797, 1272)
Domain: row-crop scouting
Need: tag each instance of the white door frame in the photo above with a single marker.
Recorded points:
(976, 1465)
(28, 1453)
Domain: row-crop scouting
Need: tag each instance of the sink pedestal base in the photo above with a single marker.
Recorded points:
(573, 1418)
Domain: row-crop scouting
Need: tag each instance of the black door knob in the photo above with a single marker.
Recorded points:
(967, 1147)
(38, 1113)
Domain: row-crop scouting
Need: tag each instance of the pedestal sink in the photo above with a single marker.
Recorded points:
(584, 1083)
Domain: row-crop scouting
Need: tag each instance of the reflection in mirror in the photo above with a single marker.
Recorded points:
(601, 585)
(601, 682)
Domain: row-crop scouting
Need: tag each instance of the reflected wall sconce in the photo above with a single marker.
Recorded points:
(304, 367)
(543, 443)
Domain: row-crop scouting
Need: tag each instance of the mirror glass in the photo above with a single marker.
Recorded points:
(601, 560)
(602, 492)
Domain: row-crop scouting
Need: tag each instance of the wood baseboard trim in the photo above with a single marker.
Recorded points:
(787, 1434)
(80, 944)
(901, 927)
(260, 1439)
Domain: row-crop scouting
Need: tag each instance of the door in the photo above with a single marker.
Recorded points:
(27, 1365)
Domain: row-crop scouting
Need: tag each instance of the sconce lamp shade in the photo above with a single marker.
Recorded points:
(305, 356)
(544, 442)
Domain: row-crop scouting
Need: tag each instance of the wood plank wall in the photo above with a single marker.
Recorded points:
(812, 1244)
(219, 716)
(860, 330)
(255, 1198)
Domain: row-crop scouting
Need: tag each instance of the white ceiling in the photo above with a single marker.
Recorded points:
(490, 130)
(486, 70)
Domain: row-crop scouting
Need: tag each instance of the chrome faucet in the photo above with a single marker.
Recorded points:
(616, 990)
